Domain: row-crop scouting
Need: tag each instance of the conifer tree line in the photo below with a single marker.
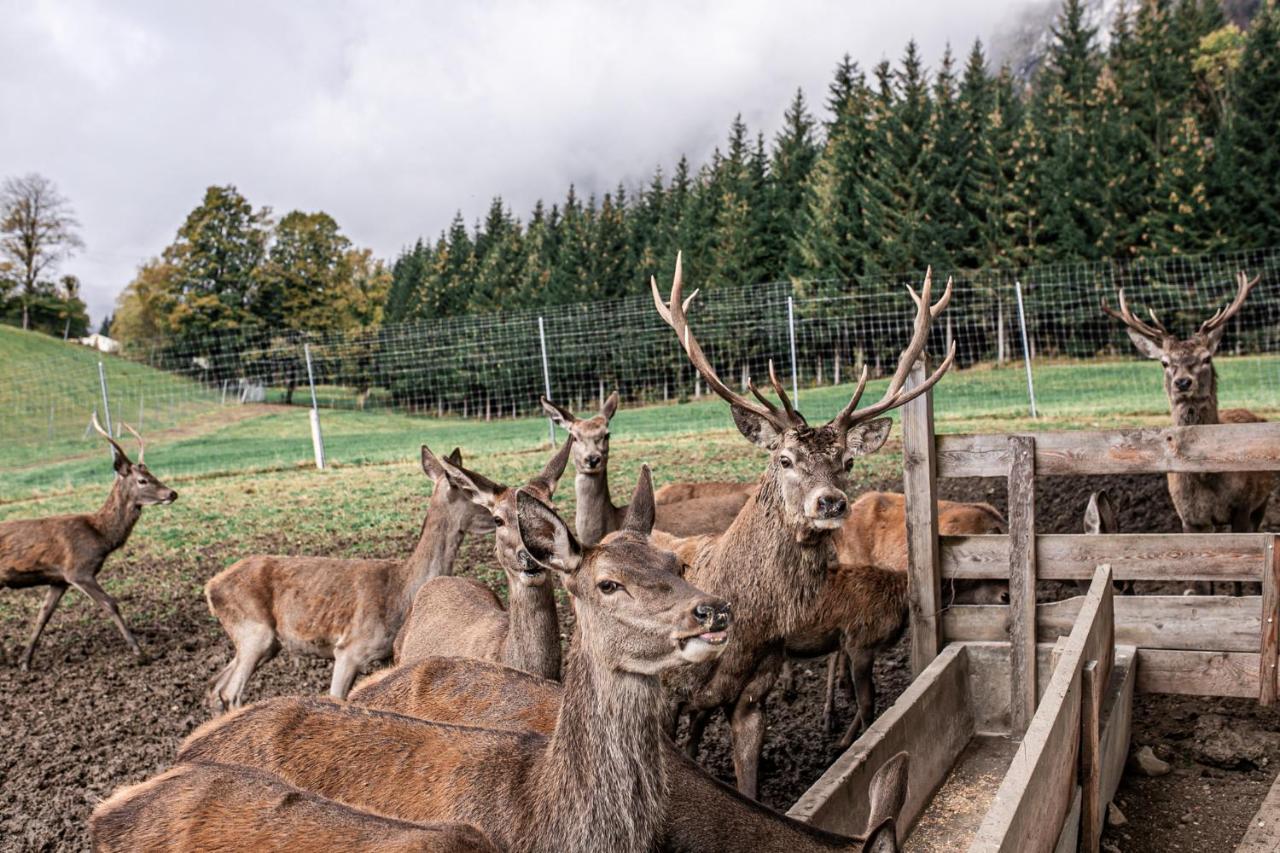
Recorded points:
(1162, 144)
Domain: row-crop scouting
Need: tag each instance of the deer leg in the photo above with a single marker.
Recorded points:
(89, 586)
(697, 725)
(346, 666)
(786, 679)
(255, 645)
(834, 661)
(861, 663)
(746, 724)
(51, 599)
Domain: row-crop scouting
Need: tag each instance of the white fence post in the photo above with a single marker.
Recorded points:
(1026, 348)
(106, 405)
(317, 439)
(546, 376)
(791, 331)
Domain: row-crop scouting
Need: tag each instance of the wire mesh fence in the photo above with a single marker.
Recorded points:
(818, 334)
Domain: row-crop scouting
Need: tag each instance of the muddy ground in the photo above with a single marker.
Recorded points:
(90, 718)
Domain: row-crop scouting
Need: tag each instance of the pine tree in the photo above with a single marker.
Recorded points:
(795, 152)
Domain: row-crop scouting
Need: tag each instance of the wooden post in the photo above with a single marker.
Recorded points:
(923, 565)
(1270, 646)
(1022, 581)
(1091, 804)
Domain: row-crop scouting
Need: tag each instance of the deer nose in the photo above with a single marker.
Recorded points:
(1182, 384)
(832, 506)
(593, 460)
(713, 614)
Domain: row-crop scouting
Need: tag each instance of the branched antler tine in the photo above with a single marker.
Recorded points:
(1125, 315)
(102, 432)
(1155, 321)
(781, 390)
(142, 445)
(1222, 315)
(900, 397)
(853, 401)
(765, 401)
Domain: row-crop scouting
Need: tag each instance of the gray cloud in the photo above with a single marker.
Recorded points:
(391, 116)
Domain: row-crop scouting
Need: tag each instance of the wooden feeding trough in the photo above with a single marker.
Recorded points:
(1018, 719)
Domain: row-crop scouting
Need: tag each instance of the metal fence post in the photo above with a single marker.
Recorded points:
(106, 405)
(791, 332)
(1026, 348)
(546, 376)
(317, 439)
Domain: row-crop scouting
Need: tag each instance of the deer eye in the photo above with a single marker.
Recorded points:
(848, 465)
(497, 521)
(785, 461)
(1165, 362)
(608, 587)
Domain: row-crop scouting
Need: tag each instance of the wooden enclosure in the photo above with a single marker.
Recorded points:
(1018, 720)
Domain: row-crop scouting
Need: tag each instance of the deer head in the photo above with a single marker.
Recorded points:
(498, 503)
(141, 488)
(1188, 364)
(591, 451)
(809, 466)
(634, 610)
(449, 499)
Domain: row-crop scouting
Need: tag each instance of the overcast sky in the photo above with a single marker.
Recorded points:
(391, 116)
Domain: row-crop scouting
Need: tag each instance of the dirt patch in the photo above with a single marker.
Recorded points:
(91, 719)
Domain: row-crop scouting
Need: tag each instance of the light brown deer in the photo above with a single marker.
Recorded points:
(346, 609)
(462, 617)
(597, 783)
(673, 493)
(216, 808)
(595, 514)
(69, 550)
(706, 816)
(773, 559)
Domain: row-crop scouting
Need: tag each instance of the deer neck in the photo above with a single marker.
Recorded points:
(433, 556)
(602, 767)
(115, 521)
(533, 631)
(1202, 409)
(594, 515)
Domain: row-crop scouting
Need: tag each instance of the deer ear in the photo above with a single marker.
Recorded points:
(546, 537)
(1100, 515)
(119, 461)
(865, 439)
(754, 428)
(478, 489)
(610, 406)
(887, 792)
(1145, 345)
(561, 417)
(1212, 338)
(550, 476)
(640, 513)
(456, 456)
(883, 839)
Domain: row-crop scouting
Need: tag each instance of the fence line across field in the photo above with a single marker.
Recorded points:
(1053, 357)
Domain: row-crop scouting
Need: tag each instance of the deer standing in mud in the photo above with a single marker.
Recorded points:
(709, 510)
(598, 782)
(461, 617)
(346, 609)
(69, 550)
(772, 561)
(1206, 503)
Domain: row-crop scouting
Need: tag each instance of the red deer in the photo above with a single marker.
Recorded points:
(595, 515)
(214, 808)
(673, 493)
(705, 815)
(462, 617)
(69, 550)
(1206, 503)
(597, 783)
(773, 559)
(346, 609)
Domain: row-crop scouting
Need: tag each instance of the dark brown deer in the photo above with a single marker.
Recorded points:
(595, 514)
(69, 550)
(772, 561)
(215, 808)
(705, 816)
(346, 609)
(462, 617)
(1205, 502)
(597, 783)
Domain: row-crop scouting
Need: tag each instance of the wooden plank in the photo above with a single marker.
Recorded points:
(1091, 804)
(838, 800)
(1117, 716)
(1035, 797)
(1263, 834)
(989, 683)
(924, 578)
(1187, 449)
(1270, 645)
(1217, 622)
(1022, 580)
(1132, 556)
(1069, 839)
(1198, 673)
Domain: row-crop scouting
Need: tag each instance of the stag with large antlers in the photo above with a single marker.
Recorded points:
(1205, 502)
(772, 561)
(69, 550)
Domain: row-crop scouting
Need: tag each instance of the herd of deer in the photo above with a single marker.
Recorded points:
(483, 736)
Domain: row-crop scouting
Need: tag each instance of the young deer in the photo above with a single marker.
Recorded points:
(773, 559)
(346, 609)
(216, 808)
(597, 783)
(705, 816)
(462, 617)
(673, 493)
(595, 515)
(69, 550)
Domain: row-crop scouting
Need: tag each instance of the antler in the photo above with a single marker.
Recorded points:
(1222, 315)
(142, 445)
(102, 432)
(674, 314)
(1155, 332)
(894, 395)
